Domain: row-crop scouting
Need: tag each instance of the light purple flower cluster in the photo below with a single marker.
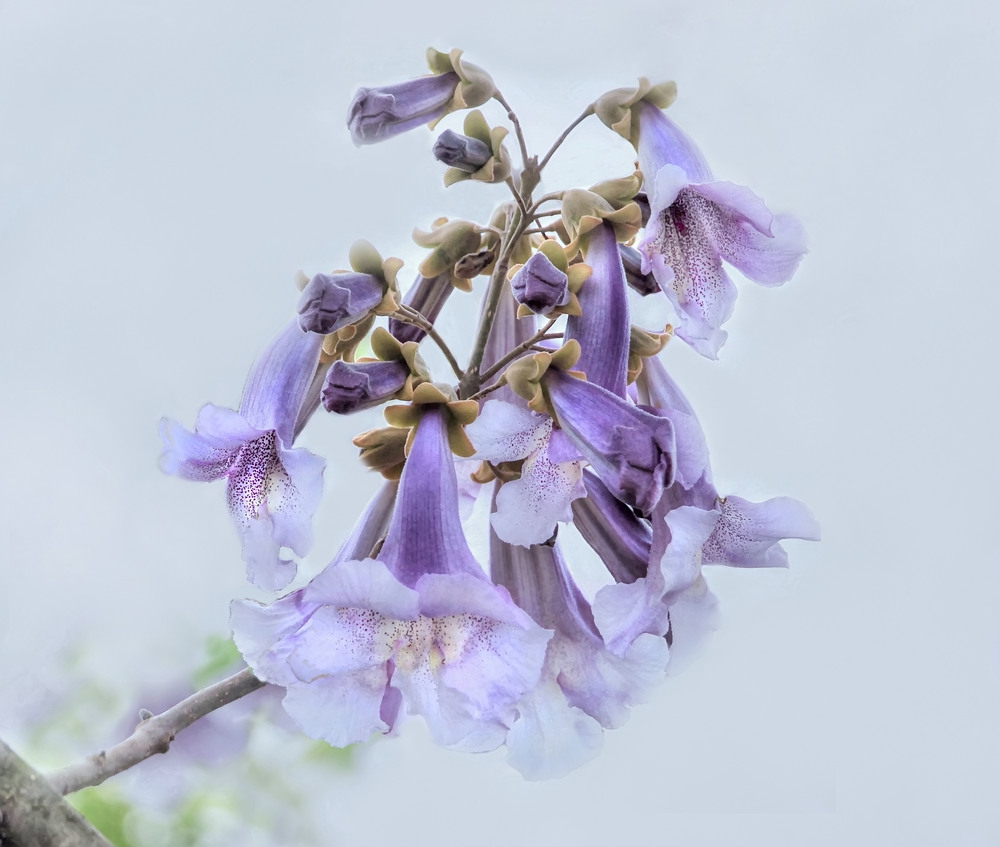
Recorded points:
(564, 414)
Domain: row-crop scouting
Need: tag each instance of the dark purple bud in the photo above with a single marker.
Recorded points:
(540, 285)
(638, 281)
(379, 113)
(351, 387)
(332, 301)
(427, 295)
(460, 151)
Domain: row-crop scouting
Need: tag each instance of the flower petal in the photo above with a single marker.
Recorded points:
(747, 534)
(504, 432)
(763, 247)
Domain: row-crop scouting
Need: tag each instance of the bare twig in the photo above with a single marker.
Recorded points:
(517, 126)
(154, 734)
(33, 814)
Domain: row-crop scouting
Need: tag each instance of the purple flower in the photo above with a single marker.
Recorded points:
(584, 686)
(272, 489)
(630, 449)
(696, 224)
(602, 328)
(462, 152)
(353, 386)
(540, 285)
(528, 508)
(376, 114)
(747, 534)
(427, 295)
(332, 301)
(421, 623)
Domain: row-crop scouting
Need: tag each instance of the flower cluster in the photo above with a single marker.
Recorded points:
(565, 413)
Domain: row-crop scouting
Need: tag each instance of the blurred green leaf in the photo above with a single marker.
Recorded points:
(221, 656)
(105, 810)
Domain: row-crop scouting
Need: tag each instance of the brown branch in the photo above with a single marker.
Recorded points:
(153, 735)
(33, 814)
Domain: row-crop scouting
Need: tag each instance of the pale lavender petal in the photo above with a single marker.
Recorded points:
(684, 258)
(279, 380)
(675, 555)
(625, 611)
(602, 328)
(264, 634)
(529, 508)
(379, 113)
(340, 710)
(208, 452)
(549, 738)
(694, 616)
(272, 493)
(763, 247)
(631, 450)
(747, 534)
(505, 432)
(662, 142)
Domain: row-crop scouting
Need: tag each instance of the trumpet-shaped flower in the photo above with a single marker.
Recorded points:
(696, 223)
(584, 685)
(420, 624)
(272, 488)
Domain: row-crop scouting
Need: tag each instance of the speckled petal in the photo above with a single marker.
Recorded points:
(747, 534)
(504, 432)
(763, 247)
(340, 710)
(207, 453)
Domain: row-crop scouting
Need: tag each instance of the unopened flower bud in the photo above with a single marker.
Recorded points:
(540, 285)
(462, 152)
(379, 113)
(351, 387)
(332, 301)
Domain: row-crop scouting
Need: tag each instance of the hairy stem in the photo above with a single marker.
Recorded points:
(412, 316)
(523, 347)
(154, 734)
(565, 133)
(34, 814)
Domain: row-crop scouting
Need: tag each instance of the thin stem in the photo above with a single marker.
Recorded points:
(469, 384)
(479, 395)
(517, 126)
(408, 315)
(565, 133)
(521, 348)
(517, 196)
(154, 734)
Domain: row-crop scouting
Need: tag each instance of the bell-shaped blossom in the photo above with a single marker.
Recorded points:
(419, 624)
(584, 686)
(376, 114)
(540, 285)
(332, 301)
(696, 223)
(527, 508)
(462, 152)
(272, 488)
(630, 449)
(353, 386)
(602, 327)
(747, 534)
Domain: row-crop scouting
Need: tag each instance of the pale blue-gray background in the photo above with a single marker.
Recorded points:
(165, 169)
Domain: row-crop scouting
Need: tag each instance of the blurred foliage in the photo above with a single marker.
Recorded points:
(259, 795)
